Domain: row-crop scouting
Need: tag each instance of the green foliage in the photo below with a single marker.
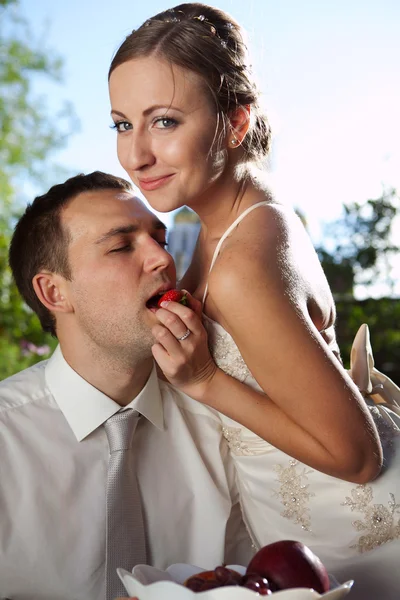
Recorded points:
(27, 135)
(382, 317)
(361, 254)
(362, 249)
(339, 272)
(27, 138)
(22, 341)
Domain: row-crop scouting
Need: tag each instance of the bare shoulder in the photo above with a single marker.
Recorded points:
(271, 256)
(270, 242)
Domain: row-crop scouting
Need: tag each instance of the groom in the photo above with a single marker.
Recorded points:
(86, 257)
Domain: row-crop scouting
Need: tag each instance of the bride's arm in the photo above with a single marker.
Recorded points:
(311, 409)
(318, 437)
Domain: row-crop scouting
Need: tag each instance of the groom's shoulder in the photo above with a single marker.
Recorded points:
(23, 386)
(177, 399)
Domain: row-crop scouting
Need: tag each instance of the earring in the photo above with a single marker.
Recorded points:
(234, 142)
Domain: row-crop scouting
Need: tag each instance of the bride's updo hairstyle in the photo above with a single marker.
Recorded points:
(206, 41)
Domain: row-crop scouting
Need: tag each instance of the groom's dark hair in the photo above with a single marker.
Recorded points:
(40, 241)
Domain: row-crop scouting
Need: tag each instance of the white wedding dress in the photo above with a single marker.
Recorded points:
(354, 529)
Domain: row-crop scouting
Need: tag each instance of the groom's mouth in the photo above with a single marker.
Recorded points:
(152, 302)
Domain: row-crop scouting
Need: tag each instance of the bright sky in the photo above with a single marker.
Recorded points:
(329, 70)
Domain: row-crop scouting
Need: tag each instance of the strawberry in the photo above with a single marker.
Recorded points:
(173, 296)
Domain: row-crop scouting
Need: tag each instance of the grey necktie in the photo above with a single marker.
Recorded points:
(125, 541)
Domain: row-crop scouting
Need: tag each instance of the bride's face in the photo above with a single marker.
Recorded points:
(168, 132)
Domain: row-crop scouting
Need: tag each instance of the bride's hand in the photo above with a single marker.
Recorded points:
(181, 348)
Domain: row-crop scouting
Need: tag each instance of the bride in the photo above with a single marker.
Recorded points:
(307, 446)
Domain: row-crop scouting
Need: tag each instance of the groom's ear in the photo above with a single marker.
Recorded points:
(50, 288)
(239, 120)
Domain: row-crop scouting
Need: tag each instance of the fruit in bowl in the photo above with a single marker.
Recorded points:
(289, 564)
(208, 580)
(279, 566)
(223, 576)
(287, 567)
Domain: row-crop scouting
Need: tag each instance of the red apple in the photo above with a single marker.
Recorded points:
(288, 564)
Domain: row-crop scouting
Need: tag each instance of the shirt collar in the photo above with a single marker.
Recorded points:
(86, 408)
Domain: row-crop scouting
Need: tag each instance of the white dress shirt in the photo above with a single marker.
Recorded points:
(53, 468)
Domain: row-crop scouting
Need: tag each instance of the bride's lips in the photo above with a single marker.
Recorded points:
(154, 183)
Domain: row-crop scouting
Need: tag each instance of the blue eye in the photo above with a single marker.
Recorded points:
(165, 123)
(121, 126)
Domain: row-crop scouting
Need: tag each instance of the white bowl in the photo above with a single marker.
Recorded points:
(149, 583)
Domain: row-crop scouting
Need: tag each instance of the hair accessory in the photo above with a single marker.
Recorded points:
(178, 16)
(203, 19)
(173, 12)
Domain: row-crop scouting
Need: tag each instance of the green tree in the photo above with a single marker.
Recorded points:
(27, 139)
(382, 317)
(358, 248)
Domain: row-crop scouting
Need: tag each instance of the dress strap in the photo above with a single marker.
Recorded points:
(226, 234)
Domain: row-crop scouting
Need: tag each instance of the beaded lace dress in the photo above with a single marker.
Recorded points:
(354, 529)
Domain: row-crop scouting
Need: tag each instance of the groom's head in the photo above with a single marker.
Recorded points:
(87, 256)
